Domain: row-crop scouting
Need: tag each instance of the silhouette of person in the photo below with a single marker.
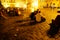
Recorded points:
(32, 15)
(54, 26)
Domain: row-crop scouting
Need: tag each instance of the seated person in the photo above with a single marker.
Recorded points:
(32, 15)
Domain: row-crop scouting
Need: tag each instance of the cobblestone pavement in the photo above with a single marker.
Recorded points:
(12, 30)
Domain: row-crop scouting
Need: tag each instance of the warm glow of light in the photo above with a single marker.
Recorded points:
(6, 5)
(35, 4)
(56, 4)
(19, 12)
(32, 9)
(24, 6)
(20, 5)
(17, 5)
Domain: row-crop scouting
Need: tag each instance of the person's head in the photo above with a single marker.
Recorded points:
(38, 11)
(53, 20)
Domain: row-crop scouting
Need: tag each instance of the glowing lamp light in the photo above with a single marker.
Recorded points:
(6, 5)
(24, 6)
(32, 9)
(19, 12)
(35, 4)
(17, 5)
(20, 5)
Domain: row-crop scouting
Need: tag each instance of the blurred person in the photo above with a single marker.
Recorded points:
(32, 15)
(54, 27)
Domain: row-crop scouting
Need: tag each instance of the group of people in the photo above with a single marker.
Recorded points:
(54, 26)
(33, 17)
